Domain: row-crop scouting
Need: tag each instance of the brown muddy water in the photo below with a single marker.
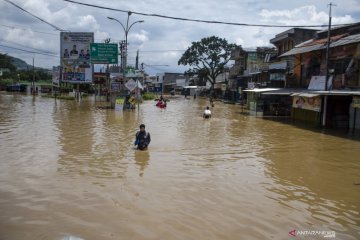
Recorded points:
(69, 171)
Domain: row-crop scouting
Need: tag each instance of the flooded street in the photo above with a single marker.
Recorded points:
(70, 169)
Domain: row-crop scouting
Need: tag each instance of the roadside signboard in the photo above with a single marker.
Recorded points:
(131, 85)
(75, 57)
(56, 76)
(119, 104)
(104, 53)
(308, 103)
(318, 83)
(115, 86)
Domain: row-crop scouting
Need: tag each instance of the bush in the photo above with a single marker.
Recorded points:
(148, 96)
(6, 81)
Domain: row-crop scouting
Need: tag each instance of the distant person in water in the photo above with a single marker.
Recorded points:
(207, 113)
(143, 139)
(211, 102)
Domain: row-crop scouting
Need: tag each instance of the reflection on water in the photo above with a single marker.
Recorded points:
(142, 159)
(70, 170)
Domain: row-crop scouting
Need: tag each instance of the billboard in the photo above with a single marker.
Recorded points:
(75, 56)
(308, 103)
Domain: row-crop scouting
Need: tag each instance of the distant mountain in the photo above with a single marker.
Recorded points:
(22, 65)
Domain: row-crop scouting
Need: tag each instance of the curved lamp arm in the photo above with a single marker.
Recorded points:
(134, 23)
(118, 22)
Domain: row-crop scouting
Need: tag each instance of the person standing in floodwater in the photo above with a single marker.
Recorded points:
(143, 138)
(207, 113)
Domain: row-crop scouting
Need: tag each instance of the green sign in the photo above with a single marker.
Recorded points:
(103, 53)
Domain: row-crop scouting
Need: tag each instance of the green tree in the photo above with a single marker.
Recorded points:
(5, 62)
(207, 58)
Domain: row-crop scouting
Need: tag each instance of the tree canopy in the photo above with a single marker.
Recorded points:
(5, 62)
(207, 58)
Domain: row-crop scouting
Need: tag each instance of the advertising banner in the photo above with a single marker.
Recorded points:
(75, 56)
(119, 104)
(309, 103)
(115, 87)
(356, 102)
(318, 83)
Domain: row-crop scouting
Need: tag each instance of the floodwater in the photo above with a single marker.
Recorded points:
(69, 171)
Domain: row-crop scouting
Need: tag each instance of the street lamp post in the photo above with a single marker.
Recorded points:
(126, 30)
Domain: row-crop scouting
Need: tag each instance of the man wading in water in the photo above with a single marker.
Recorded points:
(207, 113)
(142, 138)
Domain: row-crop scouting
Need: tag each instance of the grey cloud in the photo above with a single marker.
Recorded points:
(162, 34)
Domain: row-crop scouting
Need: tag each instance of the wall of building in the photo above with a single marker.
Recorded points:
(354, 118)
(312, 118)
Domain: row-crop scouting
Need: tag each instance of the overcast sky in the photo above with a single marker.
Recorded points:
(160, 41)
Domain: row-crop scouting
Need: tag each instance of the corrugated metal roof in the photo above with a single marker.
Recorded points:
(343, 41)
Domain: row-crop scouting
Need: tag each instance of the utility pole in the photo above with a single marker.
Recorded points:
(121, 55)
(327, 66)
(328, 48)
(33, 79)
(122, 52)
(107, 41)
(137, 60)
(126, 30)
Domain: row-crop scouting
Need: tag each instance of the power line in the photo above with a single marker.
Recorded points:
(197, 20)
(52, 25)
(51, 55)
(13, 27)
(160, 51)
(39, 50)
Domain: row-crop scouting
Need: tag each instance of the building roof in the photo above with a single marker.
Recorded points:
(311, 93)
(339, 27)
(315, 45)
(290, 33)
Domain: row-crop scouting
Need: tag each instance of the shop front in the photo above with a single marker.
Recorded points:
(255, 100)
(306, 107)
(354, 114)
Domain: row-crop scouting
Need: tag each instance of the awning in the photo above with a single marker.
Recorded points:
(276, 93)
(339, 92)
(284, 91)
(254, 73)
(305, 94)
(326, 93)
(261, 90)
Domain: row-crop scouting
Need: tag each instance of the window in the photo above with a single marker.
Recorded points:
(339, 66)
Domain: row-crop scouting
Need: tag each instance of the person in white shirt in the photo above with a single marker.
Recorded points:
(207, 113)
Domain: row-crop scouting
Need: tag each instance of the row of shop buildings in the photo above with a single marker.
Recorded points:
(290, 80)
